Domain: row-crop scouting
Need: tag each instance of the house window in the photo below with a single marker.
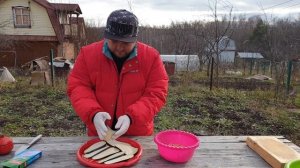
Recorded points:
(21, 17)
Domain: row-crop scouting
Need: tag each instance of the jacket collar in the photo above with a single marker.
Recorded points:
(108, 53)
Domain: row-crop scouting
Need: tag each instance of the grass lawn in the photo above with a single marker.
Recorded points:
(30, 110)
(297, 98)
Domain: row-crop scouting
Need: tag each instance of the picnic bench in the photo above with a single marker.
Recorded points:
(214, 152)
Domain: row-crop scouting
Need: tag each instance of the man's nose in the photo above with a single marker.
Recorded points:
(120, 45)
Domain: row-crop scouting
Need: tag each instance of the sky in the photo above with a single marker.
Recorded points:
(163, 12)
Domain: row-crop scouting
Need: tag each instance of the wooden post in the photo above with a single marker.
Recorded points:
(289, 71)
(51, 66)
(211, 73)
(251, 65)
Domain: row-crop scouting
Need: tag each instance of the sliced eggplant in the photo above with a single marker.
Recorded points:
(89, 155)
(119, 159)
(109, 134)
(95, 146)
(106, 153)
(111, 151)
(113, 156)
(129, 150)
(124, 147)
(113, 142)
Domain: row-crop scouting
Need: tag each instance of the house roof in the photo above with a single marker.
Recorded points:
(53, 18)
(56, 25)
(224, 44)
(51, 8)
(43, 3)
(73, 8)
(249, 55)
(227, 44)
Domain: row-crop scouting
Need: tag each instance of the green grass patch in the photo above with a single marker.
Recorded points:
(297, 98)
(30, 110)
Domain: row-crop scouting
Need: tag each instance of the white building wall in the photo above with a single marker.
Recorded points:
(40, 21)
(183, 62)
(227, 56)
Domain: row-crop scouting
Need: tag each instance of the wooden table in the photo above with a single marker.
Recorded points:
(214, 152)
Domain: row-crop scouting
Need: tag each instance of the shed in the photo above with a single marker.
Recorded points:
(183, 62)
(170, 67)
(251, 60)
(226, 49)
(249, 55)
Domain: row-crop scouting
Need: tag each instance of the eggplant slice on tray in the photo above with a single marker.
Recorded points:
(110, 151)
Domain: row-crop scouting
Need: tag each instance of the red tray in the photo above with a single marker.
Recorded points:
(92, 163)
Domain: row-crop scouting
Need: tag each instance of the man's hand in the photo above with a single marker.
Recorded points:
(99, 122)
(123, 125)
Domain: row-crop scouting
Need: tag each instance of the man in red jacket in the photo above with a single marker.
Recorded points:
(118, 82)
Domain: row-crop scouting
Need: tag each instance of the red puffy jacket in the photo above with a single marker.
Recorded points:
(139, 91)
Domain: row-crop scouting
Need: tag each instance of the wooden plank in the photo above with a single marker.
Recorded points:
(151, 158)
(46, 140)
(273, 151)
(216, 149)
(214, 152)
(209, 139)
(228, 155)
(142, 139)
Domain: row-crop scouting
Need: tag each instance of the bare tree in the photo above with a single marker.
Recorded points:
(277, 41)
(129, 4)
(94, 31)
(181, 37)
(199, 45)
(216, 30)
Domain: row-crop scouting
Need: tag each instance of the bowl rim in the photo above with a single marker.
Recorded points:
(177, 147)
(288, 164)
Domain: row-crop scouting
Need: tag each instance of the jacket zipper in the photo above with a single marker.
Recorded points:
(115, 120)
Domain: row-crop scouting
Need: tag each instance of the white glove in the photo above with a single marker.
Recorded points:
(123, 125)
(99, 122)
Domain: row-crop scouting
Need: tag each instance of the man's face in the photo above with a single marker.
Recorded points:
(119, 48)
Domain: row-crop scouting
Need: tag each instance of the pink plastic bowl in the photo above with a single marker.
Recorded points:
(176, 146)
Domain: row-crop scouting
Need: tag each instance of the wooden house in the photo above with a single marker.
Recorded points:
(30, 28)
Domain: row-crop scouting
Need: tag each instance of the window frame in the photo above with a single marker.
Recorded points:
(22, 15)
